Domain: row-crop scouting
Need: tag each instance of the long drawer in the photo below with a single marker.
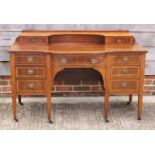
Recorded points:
(78, 60)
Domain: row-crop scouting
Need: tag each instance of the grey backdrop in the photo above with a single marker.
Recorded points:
(144, 34)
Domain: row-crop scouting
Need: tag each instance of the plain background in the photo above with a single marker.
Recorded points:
(78, 12)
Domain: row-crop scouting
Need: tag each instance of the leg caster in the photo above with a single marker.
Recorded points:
(20, 100)
(16, 120)
(107, 121)
(21, 103)
(50, 121)
(130, 100)
(128, 103)
(139, 119)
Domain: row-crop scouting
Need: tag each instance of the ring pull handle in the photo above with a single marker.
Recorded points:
(34, 40)
(30, 71)
(30, 59)
(125, 59)
(125, 71)
(94, 61)
(63, 61)
(30, 85)
(124, 85)
(118, 40)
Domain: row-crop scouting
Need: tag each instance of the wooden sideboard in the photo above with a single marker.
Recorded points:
(37, 56)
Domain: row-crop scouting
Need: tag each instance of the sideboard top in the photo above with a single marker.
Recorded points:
(81, 41)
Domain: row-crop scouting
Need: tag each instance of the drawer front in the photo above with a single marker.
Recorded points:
(125, 71)
(78, 60)
(30, 72)
(30, 59)
(124, 85)
(119, 40)
(31, 86)
(33, 40)
(125, 59)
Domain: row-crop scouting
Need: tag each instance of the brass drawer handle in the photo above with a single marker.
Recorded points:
(30, 59)
(118, 40)
(124, 85)
(94, 61)
(30, 71)
(63, 61)
(30, 85)
(125, 59)
(34, 40)
(125, 71)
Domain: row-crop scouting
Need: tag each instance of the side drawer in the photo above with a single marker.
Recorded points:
(126, 59)
(30, 59)
(124, 71)
(119, 40)
(124, 85)
(31, 86)
(30, 72)
(34, 40)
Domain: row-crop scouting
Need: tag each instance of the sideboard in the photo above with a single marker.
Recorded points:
(37, 56)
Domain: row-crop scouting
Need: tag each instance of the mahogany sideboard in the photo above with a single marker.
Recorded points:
(37, 56)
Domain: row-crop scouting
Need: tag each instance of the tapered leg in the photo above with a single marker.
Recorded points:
(106, 107)
(49, 82)
(140, 103)
(20, 100)
(14, 107)
(130, 100)
(49, 108)
(13, 85)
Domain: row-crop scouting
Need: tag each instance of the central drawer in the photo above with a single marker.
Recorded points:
(31, 86)
(78, 60)
(30, 72)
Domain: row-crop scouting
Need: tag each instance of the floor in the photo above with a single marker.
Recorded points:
(77, 113)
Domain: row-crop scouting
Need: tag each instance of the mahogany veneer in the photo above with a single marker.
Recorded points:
(37, 56)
